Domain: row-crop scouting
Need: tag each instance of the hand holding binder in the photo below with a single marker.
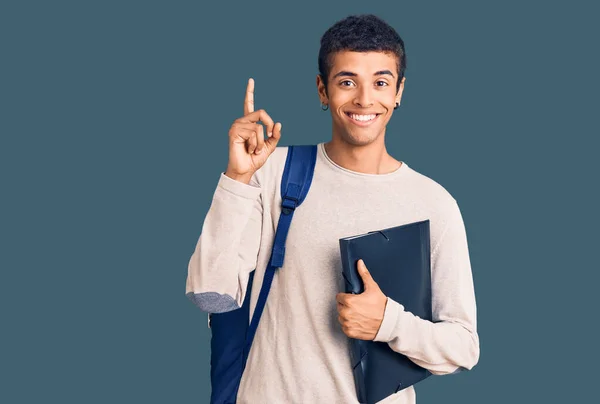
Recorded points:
(399, 260)
(361, 315)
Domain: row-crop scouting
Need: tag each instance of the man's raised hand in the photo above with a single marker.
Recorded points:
(248, 148)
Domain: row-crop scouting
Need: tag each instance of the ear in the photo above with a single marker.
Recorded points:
(400, 90)
(322, 90)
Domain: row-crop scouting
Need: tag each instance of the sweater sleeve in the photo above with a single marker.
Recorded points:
(227, 249)
(450, 343)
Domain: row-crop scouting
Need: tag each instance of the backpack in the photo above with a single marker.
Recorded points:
(232, 334)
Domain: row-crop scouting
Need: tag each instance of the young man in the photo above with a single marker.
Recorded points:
(300, 352)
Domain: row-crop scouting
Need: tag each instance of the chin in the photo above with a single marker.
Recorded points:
(359, 136)
(358, 139)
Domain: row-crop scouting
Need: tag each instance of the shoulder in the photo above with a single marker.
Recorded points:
(435, 202)
(430, 193)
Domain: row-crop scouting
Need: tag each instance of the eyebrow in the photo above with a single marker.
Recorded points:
(351, 74)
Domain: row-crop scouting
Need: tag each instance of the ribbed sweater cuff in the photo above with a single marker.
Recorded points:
(239, 188)
(390, 316)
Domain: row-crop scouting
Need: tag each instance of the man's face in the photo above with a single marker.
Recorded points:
(362, 83)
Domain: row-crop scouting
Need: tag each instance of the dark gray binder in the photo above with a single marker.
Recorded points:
(398, 258)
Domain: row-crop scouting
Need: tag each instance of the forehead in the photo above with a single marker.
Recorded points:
(363, 63)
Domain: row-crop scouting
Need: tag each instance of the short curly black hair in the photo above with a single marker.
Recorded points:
(360, 33)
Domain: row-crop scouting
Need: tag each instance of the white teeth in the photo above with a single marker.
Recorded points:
(362, 118)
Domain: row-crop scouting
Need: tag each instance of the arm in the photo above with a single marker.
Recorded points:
(228, 246)
(450, 343)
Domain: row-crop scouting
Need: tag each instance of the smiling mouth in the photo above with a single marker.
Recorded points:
(362, 122)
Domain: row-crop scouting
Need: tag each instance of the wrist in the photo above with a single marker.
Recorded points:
(245, 178)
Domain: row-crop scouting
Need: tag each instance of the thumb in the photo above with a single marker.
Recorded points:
(273, 139)
(365, 275)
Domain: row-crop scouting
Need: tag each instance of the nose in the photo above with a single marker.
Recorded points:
(363, 98)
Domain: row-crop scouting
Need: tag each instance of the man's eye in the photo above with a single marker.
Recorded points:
(348, 81)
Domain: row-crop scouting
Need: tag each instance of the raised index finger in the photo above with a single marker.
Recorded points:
(249, 100)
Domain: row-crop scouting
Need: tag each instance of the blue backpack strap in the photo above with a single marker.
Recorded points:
(295, 183)
(231, 337)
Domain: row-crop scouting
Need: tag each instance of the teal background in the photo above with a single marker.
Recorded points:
(113, 123)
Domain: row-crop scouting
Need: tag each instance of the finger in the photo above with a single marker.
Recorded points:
(341, 298)
(272, 140)
(239, 131)
(245, 125)
(364, 274)
(244, 133)
(251, 144)
(260, 138)
(260, 115)
(249, 99)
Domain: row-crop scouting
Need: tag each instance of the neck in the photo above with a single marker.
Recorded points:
(371, 158)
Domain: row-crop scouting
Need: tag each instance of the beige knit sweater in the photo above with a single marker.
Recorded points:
(300, 353)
